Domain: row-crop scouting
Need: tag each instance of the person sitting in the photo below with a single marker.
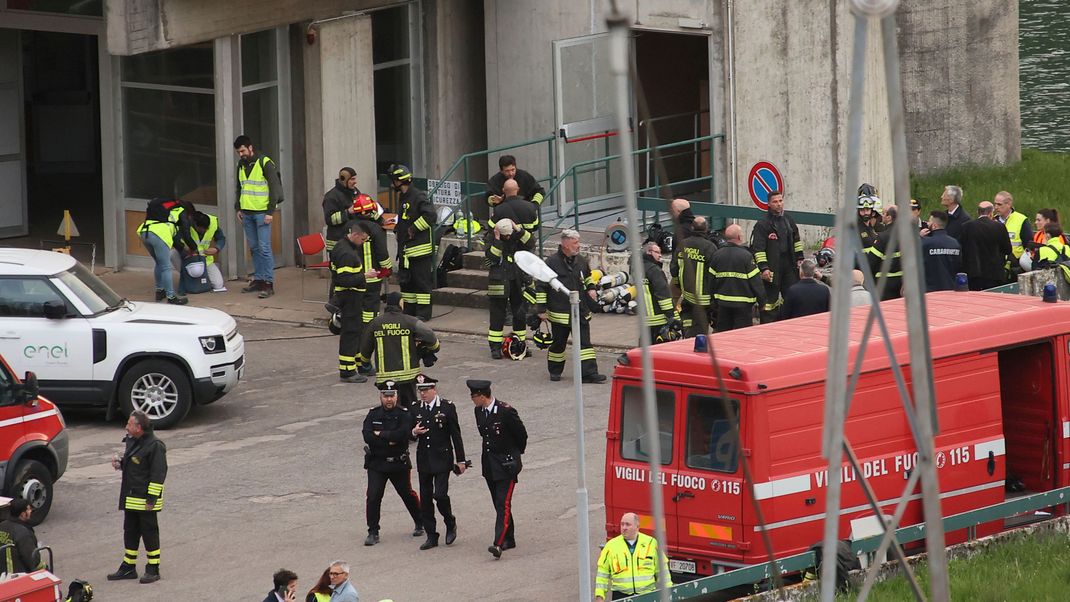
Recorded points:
(16, 530)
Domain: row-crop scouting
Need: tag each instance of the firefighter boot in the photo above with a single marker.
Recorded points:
(152, 574)
(495, 351)
(126, 571)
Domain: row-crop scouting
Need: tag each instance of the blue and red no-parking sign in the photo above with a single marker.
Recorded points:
(764, 178)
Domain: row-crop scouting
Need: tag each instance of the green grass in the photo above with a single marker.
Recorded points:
(1034, 567)
(1041, 179)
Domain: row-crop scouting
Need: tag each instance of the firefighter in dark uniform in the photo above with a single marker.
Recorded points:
(416, 222)
(350, 275)
(338, 205)
(377, 256)
(386, 458)
(660, 311)
(778, 251)
(439, 451)
(695, 278)
(400, 342)
(867, 236)
(504, 442)
(572, 271)
(507, 170)
(144, 466)
(876, 254)
(506, 282)
(512, 206)
(737, 287)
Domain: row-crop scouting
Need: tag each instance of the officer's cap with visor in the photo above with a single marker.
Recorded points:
(481, 387)
(388, 388)
(425, 382)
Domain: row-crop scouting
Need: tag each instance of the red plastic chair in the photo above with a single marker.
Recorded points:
(311, 245)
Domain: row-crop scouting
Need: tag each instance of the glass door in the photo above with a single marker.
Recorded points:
(13, 220)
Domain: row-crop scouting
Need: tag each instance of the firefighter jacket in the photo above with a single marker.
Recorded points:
(504, 440)
(776, 245)
(399, 340)
(867, 236)
(336, 204)
(876, 255)
(144, 467)
(499, 260)
(441, 446)
(737, 282)
(659, 307)
(374, 251)
(523, 213)
(695, 277)
(23, 557)
(389, 450)
(415, 223)
(573, 272)
(347, 265)
(529, 186)
(621, 569)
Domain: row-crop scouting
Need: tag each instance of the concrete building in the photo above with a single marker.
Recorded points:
(107, 103)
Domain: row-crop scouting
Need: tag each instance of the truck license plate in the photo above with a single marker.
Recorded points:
(682, 566)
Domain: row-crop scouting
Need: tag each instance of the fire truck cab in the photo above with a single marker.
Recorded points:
(1001, 368)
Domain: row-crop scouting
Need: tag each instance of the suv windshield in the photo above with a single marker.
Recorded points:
(97, 295)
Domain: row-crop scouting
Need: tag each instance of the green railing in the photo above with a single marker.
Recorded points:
(759, 573)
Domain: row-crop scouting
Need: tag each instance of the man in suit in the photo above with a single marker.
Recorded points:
(809, 295)
(504, 441)
(956, 215)
(986, 249)
(439, 451)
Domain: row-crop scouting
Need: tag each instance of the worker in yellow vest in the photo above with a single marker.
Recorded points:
(159, 233)
(210, 241)
(629, 564)
(1018, 228)
(259, 192)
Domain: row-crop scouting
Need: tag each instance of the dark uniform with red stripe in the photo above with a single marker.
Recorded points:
(504, 441)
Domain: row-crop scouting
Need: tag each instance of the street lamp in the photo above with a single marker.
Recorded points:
(537, 269)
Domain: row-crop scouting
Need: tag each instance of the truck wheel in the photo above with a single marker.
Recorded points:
(33, 483)
(160, 389)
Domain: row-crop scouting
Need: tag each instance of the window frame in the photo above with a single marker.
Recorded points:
(689, 402)
(666, 458)
(49, 285)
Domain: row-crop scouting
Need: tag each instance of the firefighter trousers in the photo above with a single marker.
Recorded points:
(349, 306)
(370, 302)
(555, 355)
(513, 299)
(402, 482)
(416, 286)
(501, 494)
(696, 318)
(138, 526)
(731, 317)
(435, 489)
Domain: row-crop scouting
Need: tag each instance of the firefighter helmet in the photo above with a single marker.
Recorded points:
(195, 268)
(399, 173)
(335, 324)
(825, 256)
(514, 347)
(673, 331)
(543, 336)
(867, 190)
(364, 204)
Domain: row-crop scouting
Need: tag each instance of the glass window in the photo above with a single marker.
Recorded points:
(711, 444)
(390, 35)
(6, 382)
(258, 64)
(169, 143)
(26, 297)
(633, 424)
(189, 66)
(393, 120)
(260, 114)
(96, 295)
(94, 8)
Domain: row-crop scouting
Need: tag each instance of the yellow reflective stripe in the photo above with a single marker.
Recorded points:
(760, 257)
(665, 304)
(495, 336)
(733, 298)
(555, 357)
(540, 298)
(496, 251)
(525, 237)
(402, 375)
(739, 275)
(254, 187)
(349, 270)
(406, 361)
(379, 350)
(417, 250)
(421, 224)
(798, 246)
(155, 489)
(587, 354)
(889, 274)
(537, 198)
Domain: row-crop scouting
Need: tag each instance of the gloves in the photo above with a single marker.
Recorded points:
(429, 359)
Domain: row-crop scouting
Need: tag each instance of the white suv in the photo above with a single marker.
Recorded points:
(90, 347)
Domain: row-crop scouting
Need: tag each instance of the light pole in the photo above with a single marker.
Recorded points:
(537, 269)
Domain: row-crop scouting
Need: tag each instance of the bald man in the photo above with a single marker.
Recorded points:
(513, 207)
(737, 285)
(624, 567)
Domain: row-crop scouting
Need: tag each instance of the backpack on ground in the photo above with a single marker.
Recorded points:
(452, 259)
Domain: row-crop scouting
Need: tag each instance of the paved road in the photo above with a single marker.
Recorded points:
(271, 477)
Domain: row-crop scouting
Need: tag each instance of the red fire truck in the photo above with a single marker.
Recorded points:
(1001, 367)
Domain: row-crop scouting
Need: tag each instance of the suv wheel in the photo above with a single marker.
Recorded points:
(33, 483)
(160, 389)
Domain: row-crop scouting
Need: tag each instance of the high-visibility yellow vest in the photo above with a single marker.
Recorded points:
(255, 192)
(629, 572)
(1014, 231)
(204, 243)
(165, 230)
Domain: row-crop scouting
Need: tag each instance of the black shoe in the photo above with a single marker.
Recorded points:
(596, 379)
(496, 353)
(555, 377)
(371, 539)
(152, 574)
(267, 290)
(160, 294)
(432, 542)
(254, 287)
(176, 300)
(417, 531)
(451, 535)
(366, 369)
(496, 551)
(126, 571)
(509, 545)
(354, 378)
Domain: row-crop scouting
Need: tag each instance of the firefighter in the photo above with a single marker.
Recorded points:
(400, 342)
(529, 187)
(504, 440)
(866, 234)
(876, 254)
(386, 458)
(629, 563)
(506, 282)
(439, 451)
(338, 206)
(696, 279)
(377, 256)
(511, 206)
(660, 311)
(350, 275)
(572, 271)
(416, 223)
(778, 253)
(144, 467)
(737, 287)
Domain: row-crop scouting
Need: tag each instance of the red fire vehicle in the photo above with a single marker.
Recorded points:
(33, 442)
(1001, 367)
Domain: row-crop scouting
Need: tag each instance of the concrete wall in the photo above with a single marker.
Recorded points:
(960, 81)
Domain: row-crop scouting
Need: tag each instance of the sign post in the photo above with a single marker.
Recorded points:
(764, 178)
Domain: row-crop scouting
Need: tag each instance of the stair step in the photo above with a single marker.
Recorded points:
(473, 260)
(460, 297)
(474, 279)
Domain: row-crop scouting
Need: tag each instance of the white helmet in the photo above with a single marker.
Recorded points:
(195, 269)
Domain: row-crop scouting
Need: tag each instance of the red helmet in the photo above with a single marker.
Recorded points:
(364, 204)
